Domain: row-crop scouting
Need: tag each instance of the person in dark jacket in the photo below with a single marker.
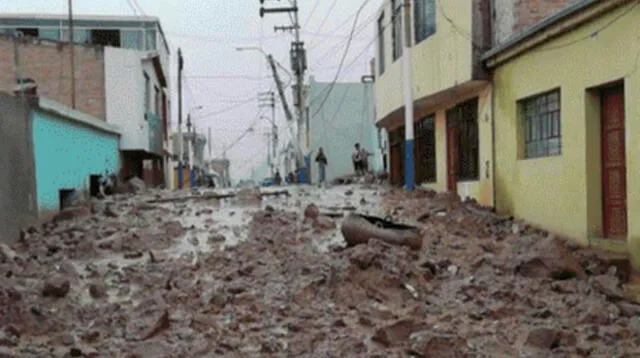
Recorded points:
(321, 159)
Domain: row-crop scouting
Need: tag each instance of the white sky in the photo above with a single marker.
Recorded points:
(219, 77)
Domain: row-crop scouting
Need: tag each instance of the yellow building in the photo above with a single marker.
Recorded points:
(451, 92)
(566, 109)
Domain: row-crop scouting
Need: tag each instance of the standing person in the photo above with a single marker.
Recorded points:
(278, 178)
(321, 159)
(357, 160)
(364, 160)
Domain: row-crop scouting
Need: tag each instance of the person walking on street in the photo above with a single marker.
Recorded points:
(357, 160)
(364, 160)
(321, 159)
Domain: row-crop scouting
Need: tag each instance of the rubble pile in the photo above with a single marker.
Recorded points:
(113, 284)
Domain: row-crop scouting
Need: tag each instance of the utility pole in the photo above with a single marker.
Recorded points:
(407, 87)
(16, 63)
(269, 100)
(190, 148)
(73, 57)
(299, 66)
(180, 143)
(209, 142)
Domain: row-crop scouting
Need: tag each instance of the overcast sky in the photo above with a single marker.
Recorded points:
(221, 79)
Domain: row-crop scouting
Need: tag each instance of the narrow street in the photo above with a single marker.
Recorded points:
(182, 274)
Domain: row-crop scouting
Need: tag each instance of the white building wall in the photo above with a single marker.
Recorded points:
(346, 118)
(125, 89)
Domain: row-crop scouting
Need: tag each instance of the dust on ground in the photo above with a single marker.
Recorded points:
(253, 275)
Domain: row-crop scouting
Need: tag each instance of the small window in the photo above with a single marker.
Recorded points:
(425, 19)
(396, 8)
(542, 125)
(425, 150)
(29, 31)
(381, 63)
(147, 94)
(132, 39)
(151, 40)
(79, 35)
(106, 37)
(157, 100)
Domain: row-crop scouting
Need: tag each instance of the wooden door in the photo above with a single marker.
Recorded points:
(614, 169)
(453, 151)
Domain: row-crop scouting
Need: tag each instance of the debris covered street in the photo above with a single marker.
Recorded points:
(154, 275)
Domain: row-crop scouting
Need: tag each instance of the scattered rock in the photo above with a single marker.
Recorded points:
(324, 223)
(311, 212)
(543, 338)
(549, 258)
(629, 309)
(56, 286)
(97, 290)
(395, 333)
(194, 241)
(426, 344)
(609, 286)
(136, 185)
(216, 239)
(110, 212)
(72, 213)
(174, 229)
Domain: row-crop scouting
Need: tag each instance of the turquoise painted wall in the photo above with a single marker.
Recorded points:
(66, 154)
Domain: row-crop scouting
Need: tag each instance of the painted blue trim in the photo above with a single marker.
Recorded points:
(192, 178)
(409, 166)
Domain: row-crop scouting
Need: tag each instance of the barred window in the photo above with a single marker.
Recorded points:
(542, 125)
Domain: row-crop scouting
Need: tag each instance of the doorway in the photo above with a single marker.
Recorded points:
(614, 163)
(452, 151)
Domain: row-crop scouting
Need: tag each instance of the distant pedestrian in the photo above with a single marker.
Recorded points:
(356, 158)
(364, 160)
(321, 159)
(278, 179)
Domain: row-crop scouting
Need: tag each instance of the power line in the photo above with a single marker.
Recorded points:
(227, 109)
(385, 26)
(346, 21)
(133, 7)
(306, 21)
(331, 50)
(139, 7)
(344, 56)
(230, 77)
(333, 5)
(255, 121)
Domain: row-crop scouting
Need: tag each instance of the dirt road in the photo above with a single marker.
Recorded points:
(250, 277)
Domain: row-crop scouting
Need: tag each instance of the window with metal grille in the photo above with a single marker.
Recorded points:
(542, 125)
(425, 150)
(424, 19)
(396, 8)
(381, 60)
(465, 119)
